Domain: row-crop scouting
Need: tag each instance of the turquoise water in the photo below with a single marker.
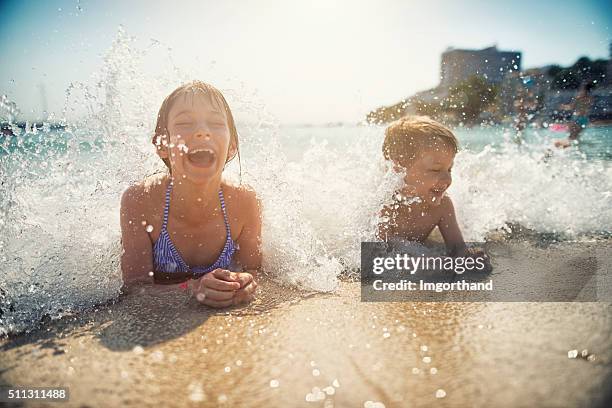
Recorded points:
(595, 141)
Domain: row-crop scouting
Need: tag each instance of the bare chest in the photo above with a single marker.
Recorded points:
(413, 224)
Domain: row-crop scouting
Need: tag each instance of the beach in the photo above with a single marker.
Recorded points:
(297, 348)
(290, 167)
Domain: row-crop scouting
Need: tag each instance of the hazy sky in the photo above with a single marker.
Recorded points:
(311, 61)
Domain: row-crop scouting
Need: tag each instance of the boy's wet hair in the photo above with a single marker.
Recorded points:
(193, 87)
(408, 138)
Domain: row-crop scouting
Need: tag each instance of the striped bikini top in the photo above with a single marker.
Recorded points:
(168, 261)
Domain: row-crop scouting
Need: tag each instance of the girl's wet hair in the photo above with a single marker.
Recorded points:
(216, 97)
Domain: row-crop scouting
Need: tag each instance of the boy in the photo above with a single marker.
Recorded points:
(424, 150)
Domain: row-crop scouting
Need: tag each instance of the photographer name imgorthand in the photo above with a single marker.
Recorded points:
(431, 286)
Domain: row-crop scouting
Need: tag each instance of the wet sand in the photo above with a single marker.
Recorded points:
(292, 348)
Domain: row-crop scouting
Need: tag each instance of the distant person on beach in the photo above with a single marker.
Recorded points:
(425, 151)
(580, 117)
(189, 226)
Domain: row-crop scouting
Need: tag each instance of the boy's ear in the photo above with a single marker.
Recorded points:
(398, 168)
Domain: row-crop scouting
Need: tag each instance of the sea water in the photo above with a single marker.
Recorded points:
(321, 188)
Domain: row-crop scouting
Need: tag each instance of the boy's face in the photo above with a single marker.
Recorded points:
(430, 175)
(199, 137)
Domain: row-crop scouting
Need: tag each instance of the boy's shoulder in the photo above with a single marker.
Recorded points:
(446, 207)
(446, 201)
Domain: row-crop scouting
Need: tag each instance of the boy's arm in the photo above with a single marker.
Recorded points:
(450, 229)
(137, 257)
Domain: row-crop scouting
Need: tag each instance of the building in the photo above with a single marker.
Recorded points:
(458, 65)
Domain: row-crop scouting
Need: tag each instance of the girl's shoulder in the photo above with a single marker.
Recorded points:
(241, 200)
(142, 195)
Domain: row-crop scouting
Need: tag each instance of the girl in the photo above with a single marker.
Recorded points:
(190, 226)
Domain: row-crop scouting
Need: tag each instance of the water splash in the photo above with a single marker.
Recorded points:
(321, 188)
(8, 110)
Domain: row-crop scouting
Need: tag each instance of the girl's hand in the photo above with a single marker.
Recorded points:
(247, 290)
(217, 288)
(248, 286)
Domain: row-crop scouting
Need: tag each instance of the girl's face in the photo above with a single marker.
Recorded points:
(200, 139)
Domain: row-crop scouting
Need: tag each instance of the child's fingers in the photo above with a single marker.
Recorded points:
(244, 279)
(213, 294)
(218, 284)
(251, 287)
(216, 303)
(225, 275)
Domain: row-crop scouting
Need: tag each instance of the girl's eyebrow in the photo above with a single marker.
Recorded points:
(182, 112)
(186, 111)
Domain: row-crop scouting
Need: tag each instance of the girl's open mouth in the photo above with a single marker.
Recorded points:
(201, 157)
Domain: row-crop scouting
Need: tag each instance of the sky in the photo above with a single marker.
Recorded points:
(314, 62)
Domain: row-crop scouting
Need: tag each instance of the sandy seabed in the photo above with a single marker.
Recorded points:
(289, 348)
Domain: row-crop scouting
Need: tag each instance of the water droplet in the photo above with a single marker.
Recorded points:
(227, 369)
(196, 392)
(336, 383)
(433, 370)
(329, 390)
(138, 350)
(427, 360)
(274, 383)
(424, 348)
(572, 354)
(440, 393)
(415, 371)
(316, 372)
(239, 363)
(151, 273)
(387, 335)
(157, 356)
(149, 228)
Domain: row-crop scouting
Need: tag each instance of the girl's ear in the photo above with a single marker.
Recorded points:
(232, 150)
(161, 145)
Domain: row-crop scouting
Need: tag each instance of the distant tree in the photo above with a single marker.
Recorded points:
(554, 70)
(433, 110)
(387, 114)
(471, 97)
(582, 71)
